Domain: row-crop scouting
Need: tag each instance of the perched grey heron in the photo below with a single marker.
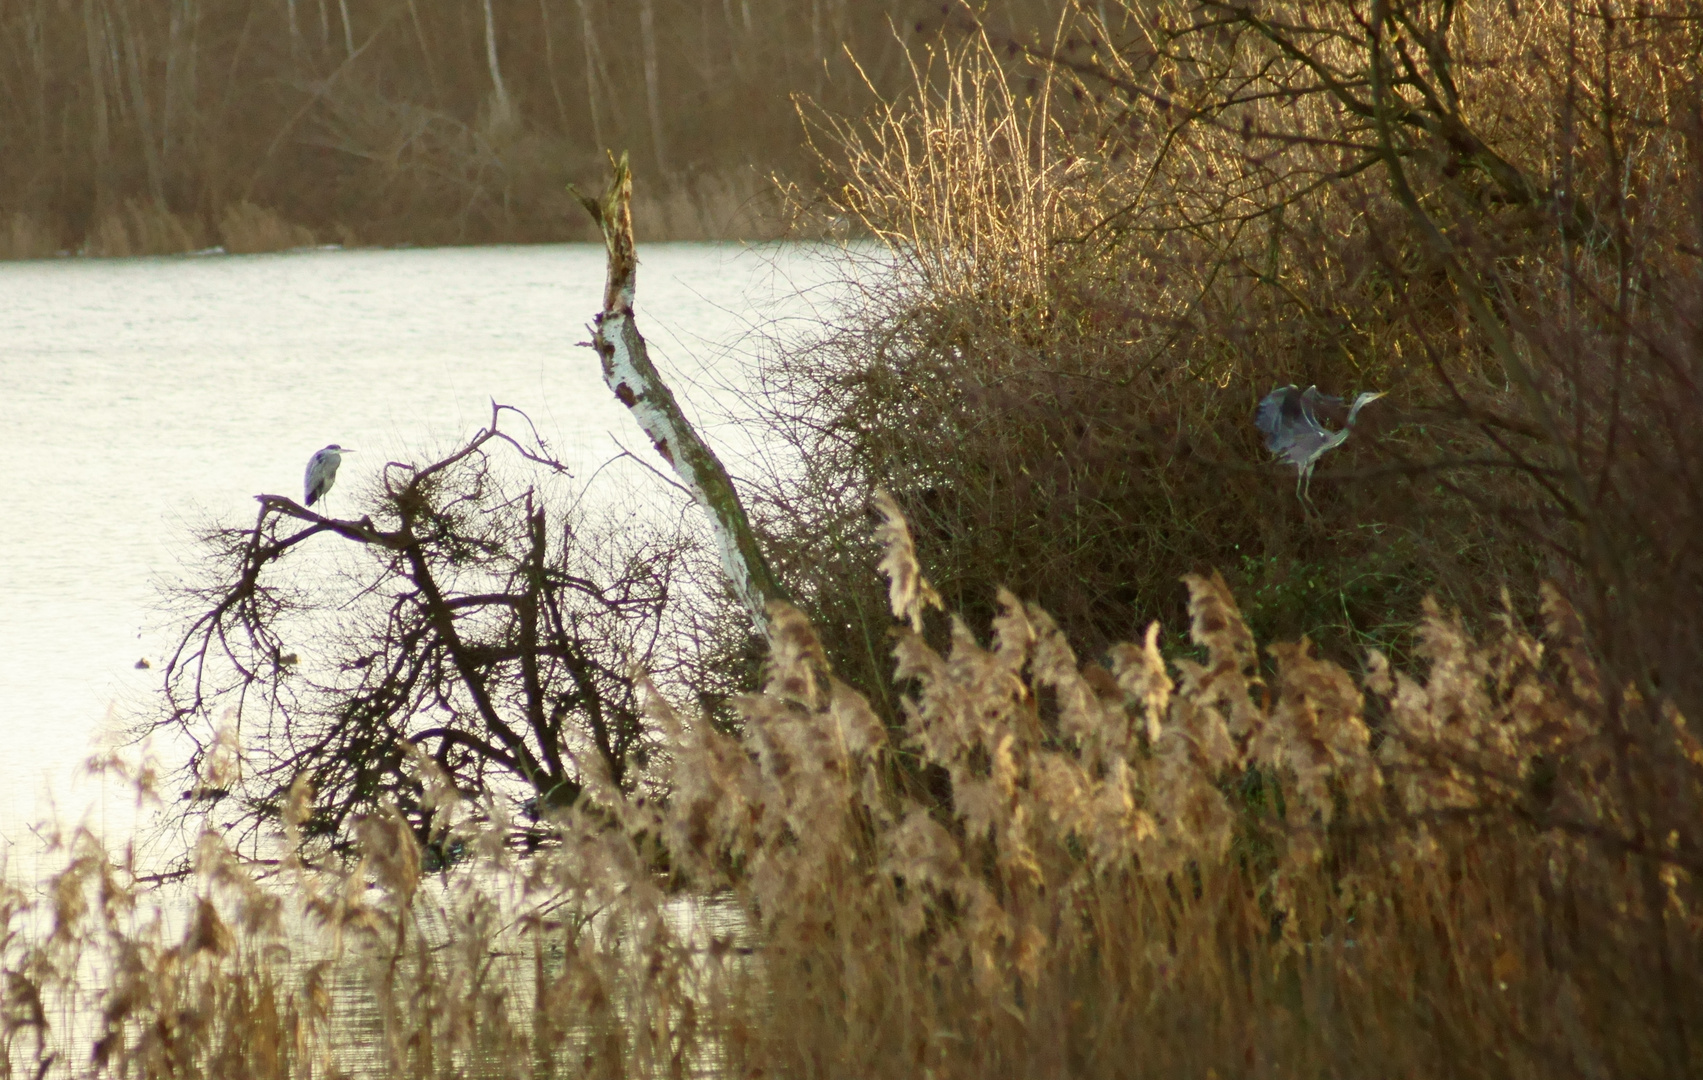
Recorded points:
(1290, 419)
(322, 472)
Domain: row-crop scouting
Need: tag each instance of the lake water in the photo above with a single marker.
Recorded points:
(141, 400)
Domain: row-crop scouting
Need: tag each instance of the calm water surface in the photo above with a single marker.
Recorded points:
(142, 399)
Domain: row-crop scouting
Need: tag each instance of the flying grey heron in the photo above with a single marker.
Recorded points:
(322, 471)
(1290, 419)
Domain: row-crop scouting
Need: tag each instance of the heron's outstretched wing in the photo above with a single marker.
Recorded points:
(1279, 413)
(1321, 407)
(1314, 398)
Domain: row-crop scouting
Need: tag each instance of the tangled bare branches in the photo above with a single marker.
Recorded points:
(460, 616)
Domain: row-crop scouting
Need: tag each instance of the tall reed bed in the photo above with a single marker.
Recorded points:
(1148, 868)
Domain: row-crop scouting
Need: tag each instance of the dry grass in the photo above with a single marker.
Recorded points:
(713, 208)
(141, 227)
(247, 229)
(1152, 869)
(27, 236)
(1197, 857)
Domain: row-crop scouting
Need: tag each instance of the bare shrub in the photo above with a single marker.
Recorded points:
(1106, 245)
(1060, 400)
(461, 618)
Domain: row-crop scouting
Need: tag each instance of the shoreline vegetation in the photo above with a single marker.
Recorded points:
(1152, 869)
(136, 128)
(1418, 792)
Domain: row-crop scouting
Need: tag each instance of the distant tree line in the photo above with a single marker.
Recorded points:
(137, 125)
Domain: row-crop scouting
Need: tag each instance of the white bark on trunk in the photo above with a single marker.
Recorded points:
(174, 102)
(425, 53)
(34, 35)
(133, 43)
(735, 46)
(630, 375)
(816, 42)
(550, 64)
(94, 23)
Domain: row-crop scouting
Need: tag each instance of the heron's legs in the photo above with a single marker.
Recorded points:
(1304, 487)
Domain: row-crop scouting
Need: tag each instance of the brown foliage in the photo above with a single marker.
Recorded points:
(1131, 875)
(1224, 877)
(1105, 246)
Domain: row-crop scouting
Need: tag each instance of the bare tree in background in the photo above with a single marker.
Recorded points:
(502, 113)
(365, 118)
(653, 95)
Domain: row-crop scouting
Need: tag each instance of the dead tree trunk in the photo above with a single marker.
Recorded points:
(629, 373)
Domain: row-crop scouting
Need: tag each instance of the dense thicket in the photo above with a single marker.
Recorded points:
(1108, 245)
(135, 125)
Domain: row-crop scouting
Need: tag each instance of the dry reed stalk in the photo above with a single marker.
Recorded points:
(27, 236)
(247, 229)
(982, 176)
(140, 227)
